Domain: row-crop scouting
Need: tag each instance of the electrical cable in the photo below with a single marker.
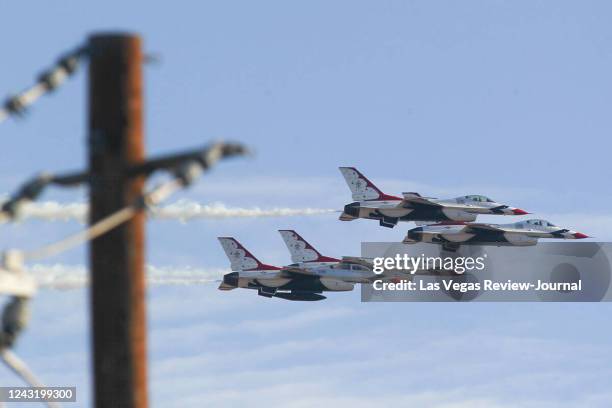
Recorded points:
(46, 82)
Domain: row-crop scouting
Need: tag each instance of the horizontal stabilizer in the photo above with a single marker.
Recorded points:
(345, 217)
(225, 286)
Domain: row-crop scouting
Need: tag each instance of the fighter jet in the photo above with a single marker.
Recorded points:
(524, 233)
(372, 203)
(297, 281)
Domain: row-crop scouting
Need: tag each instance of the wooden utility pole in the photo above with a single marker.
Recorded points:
(115, 143)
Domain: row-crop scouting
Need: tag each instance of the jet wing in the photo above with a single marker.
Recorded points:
(292, 271)
(427, 233)
(475, 227)
(438, 232)
(416, 198)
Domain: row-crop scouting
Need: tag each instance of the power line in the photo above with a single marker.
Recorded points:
(184, 165)
(106, 224)
(19, 367)
(47, 82)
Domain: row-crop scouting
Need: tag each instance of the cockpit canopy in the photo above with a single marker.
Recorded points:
(478, 198)
(540, 223)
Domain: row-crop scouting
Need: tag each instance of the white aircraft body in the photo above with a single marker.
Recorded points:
(371, 203)
(523, 233)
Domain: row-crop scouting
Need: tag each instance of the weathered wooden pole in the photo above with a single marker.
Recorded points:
(115, 142)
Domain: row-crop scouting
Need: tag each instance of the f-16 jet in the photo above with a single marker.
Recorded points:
(524, 233)
(310, 275)
(372, 203)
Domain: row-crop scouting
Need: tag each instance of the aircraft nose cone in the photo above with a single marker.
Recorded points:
(580, 235)
(518, 211)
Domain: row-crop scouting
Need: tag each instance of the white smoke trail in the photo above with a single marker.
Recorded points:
(186, 210)
(65, 277)
(182, 210)
(54, 211)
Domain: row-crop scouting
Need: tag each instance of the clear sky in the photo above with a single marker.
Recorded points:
(510, 99)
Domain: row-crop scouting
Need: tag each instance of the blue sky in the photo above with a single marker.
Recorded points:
(507, 99)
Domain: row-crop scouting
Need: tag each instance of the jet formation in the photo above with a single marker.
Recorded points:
(448, 222)
(305, 279)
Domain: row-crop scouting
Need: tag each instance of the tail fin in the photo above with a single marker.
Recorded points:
(362, 188)
(240, 258)
(302, 251)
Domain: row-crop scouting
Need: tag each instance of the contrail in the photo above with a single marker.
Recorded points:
(65, 277)
(186, 210)
(54, 211)
(183, 210)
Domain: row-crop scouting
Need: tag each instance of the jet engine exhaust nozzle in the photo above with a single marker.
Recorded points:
(352, 209)
(231, 279)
